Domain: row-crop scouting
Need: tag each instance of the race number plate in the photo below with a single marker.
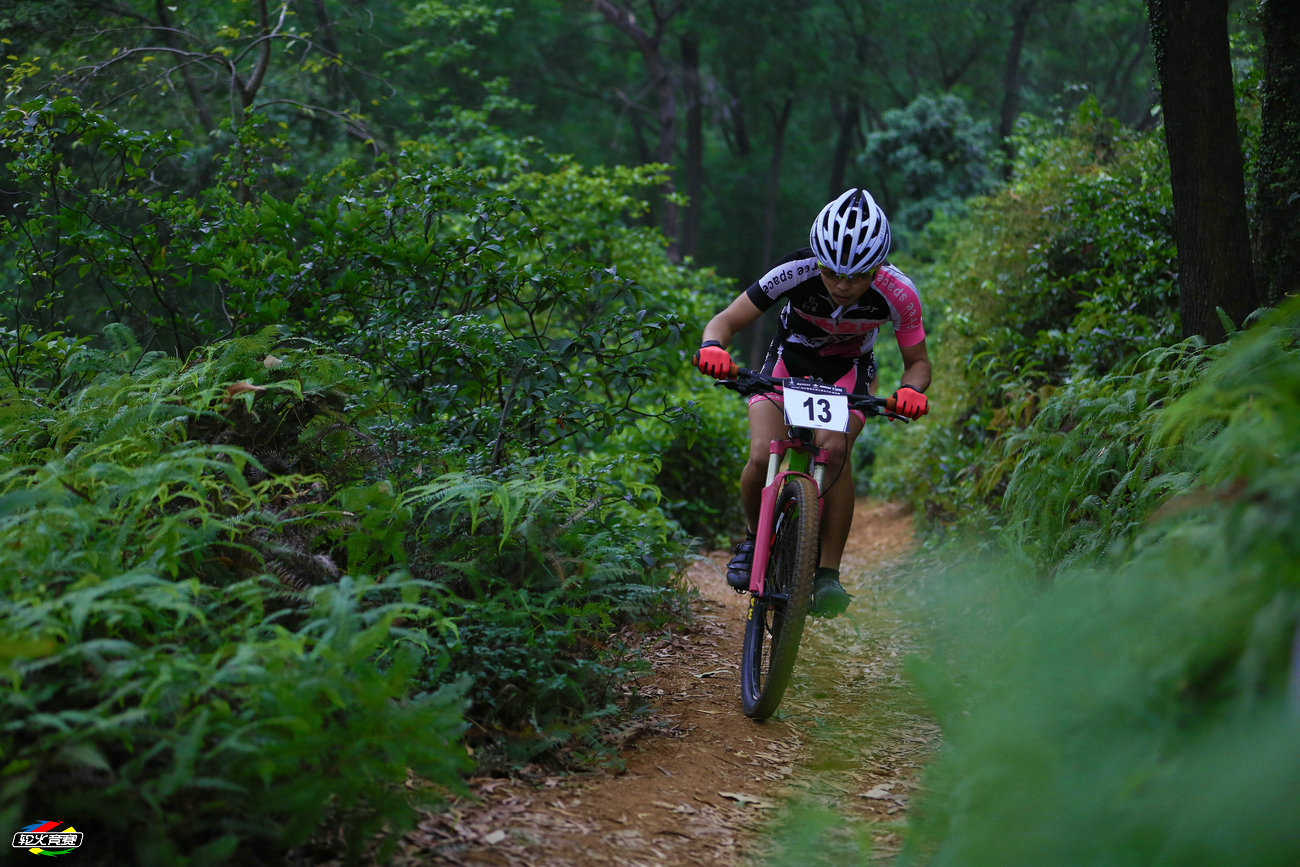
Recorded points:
(815, 405)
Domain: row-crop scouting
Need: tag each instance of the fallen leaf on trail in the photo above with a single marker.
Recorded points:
(712, 673)
(746, 800)
(879, 793)
(495, 837)
(240, 387)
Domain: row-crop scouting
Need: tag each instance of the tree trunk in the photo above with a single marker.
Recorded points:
(661, 83)
(734, 128)
(191, 86)
(771, 205)
(1205, 163)
(694, 144)
(1278, 206)
(325, 38)
(1020, 18)
(848, 118)
(772, 196)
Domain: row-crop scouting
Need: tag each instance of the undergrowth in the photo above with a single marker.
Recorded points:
(227, 630)
(1061, 277)
(542, 574)
(195, 665)
(1138, 708)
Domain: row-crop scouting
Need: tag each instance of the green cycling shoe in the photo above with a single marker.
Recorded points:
(829, 597)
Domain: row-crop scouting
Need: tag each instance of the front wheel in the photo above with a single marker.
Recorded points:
(775, 623)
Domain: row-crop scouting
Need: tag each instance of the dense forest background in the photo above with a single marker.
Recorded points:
(347, 436)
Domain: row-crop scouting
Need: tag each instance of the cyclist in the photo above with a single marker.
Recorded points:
(838, 292)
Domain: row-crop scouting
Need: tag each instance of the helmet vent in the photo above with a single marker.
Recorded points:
(851, 232)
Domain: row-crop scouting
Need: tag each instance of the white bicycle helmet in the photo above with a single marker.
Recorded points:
(851, 234)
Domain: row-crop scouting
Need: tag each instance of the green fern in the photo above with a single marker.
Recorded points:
(1092, 464)
(1139, 708)
(159, 666)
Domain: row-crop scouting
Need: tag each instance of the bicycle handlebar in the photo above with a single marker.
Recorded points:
(748, 382)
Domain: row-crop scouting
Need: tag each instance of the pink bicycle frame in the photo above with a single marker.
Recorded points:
(767, 512)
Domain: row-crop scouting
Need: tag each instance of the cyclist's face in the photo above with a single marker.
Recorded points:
(845, 290)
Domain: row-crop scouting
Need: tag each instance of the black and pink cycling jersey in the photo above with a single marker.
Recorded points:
(817, 337)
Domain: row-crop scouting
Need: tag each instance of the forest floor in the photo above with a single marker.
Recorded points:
(702, 784)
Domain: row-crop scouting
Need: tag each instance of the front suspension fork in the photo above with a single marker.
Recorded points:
(799, 459)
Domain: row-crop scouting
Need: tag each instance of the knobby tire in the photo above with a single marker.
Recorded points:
(774, 627)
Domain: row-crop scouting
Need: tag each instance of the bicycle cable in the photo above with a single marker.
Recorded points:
(844, 463)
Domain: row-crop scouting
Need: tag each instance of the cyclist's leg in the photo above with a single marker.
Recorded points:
(766, 423)
(838, 498)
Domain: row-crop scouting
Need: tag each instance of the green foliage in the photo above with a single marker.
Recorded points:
(1140, 709)
(169, 663)
(1091, 466)
(540, 571)
(515, 309)
(699, 459)
(930, 156)
(797, 119)
(1064, 275)
(809, 835)
(83, 229)
(25, 22)
(213, 539)
(334, 79)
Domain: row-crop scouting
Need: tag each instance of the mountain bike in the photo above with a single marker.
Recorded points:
(786, 544)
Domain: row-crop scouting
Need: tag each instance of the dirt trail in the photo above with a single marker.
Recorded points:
(701, 779)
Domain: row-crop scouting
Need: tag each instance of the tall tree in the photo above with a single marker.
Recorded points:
(1205, 164)
(1278, 202)
(1021, 14)
(848, 98)
(690, 45)
(650, 43)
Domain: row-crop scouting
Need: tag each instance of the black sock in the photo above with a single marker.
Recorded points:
(826, 572)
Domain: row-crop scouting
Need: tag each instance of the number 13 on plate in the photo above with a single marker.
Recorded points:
(808, 405)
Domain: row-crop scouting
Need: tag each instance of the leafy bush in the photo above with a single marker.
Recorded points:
(1139, 708)
(190, 669)
(219, 541)
(928, 157)
(539, 572)
(456, 451)
(1090, 467)
(1063, 275)
(516, 309)
(700, 457)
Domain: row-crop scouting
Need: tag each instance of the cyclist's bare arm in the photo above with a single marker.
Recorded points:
(736, 316)
(916, 366)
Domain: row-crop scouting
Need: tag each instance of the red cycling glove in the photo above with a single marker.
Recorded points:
(714, 360)
(909, 401)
